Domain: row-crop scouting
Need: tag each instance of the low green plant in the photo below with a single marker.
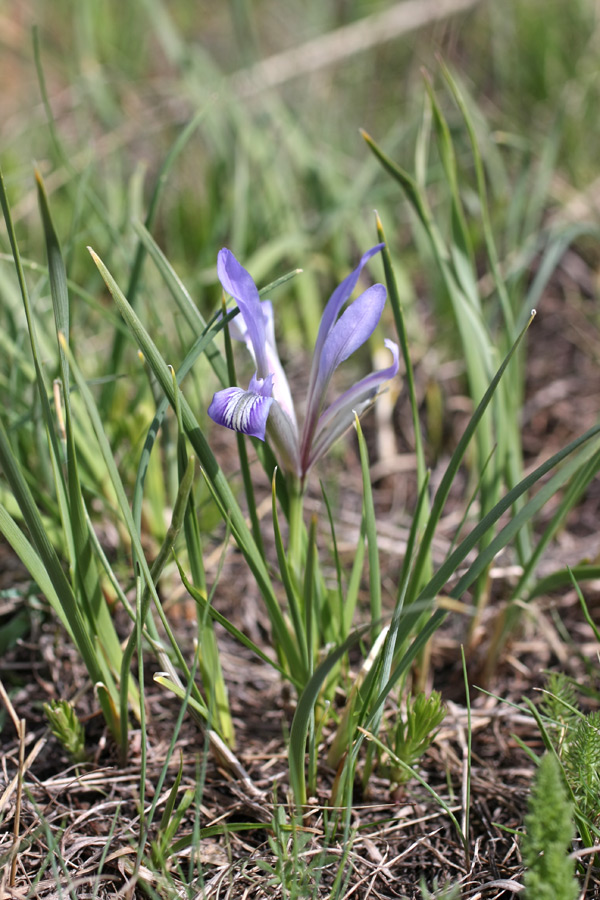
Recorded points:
(67, 728)
(574, 737)
(550, 871)
(414, 732)
(304, 623)
(72, 455)
(290, 869)
(487, 321)
(161, 847)
(446, 892)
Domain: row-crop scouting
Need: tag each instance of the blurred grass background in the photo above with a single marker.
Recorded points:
(281, 171)
(98, 94)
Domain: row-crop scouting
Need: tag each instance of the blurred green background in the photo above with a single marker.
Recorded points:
(275, 168)
(279, 173)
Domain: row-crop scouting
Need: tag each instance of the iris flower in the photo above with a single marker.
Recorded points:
(267, 406)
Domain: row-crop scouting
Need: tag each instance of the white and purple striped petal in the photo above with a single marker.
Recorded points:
(244, 411)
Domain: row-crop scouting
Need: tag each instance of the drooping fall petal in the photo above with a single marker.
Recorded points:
(244, 411)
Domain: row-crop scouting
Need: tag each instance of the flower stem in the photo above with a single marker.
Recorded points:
(296, 526)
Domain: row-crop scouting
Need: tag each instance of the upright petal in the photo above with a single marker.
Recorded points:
(341, 295)
(281, 387)
(349, 333)
(239, 283)
(335, 303)
(244, 411)
(352, 329)
(340, 415)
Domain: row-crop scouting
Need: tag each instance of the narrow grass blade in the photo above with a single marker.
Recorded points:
(310, 601)
(86, 574)
(138, 262)
(214, 474)
(484, 207)
(526, 513)
(205, 606)
(337, 615)
(304, 713)
(478, 352)
(53, 443)
(200, 346)
(561, 578)
(398, 312)
(158, 565)
(80, 628)
(570, 497)
(354, 580)
(443, 490)
(451, 565)
(371, 532)
(34, 565)
(584, 606)
(126, 515)
(293, 598)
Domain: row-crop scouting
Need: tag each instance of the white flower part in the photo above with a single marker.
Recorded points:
(239, 408)
(244, 411)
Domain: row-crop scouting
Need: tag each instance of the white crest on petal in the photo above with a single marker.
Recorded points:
(239, 409)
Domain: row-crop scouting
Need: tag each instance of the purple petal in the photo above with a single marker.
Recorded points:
(239, 283)
(352, 329)
(244, 411)
(340, 415)
(341, 294)
(349, 333)
(335, 303)
(235, 279)
(281, 387)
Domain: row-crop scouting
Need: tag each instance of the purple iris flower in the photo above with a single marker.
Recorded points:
(267, 406)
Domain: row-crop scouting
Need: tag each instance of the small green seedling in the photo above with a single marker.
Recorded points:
(413, 735)
(550, 870)
(66, 728)
(162, 847)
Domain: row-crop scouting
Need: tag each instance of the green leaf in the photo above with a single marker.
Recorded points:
(304, 713)
(371, 533)
(215, 477)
